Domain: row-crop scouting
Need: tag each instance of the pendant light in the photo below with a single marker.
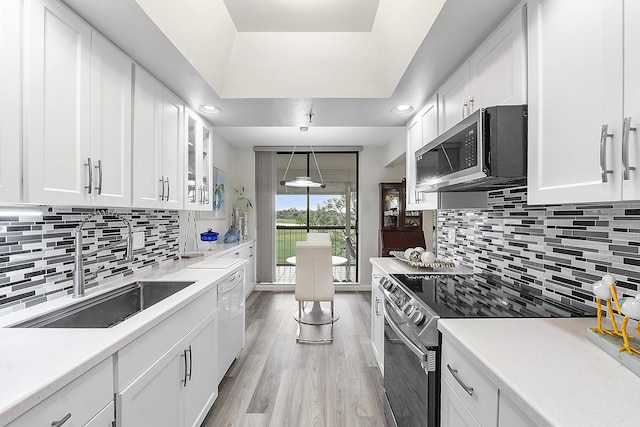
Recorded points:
(303, 181)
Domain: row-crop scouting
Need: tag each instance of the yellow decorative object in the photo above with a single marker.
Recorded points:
(631, 310)
(606, 289)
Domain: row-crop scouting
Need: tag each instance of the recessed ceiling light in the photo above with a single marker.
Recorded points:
(209, 109)
(402, 109)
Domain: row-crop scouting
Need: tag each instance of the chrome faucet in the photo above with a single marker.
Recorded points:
(78, 268)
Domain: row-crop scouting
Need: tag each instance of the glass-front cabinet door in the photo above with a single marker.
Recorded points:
(390, 207)
(199, 164)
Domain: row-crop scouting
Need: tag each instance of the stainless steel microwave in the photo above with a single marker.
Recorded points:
(485, 151)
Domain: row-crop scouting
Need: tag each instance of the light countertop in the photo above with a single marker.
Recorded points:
(37, 362)
(392, 265)
(549, 369)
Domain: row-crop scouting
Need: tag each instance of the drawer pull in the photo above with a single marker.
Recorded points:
(190, 362)
(186, 368)
(466, 388)
(62, 421)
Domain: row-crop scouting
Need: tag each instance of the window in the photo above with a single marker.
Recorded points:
(332, 210)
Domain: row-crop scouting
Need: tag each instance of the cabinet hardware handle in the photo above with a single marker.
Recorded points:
(190, 363)
(62, 421)
(377, 307)
(464, 107)
(99, 187)
(470, 109)
(162, 185)
(603, 152)
(626, 130)
(168, 189)
(88, 164)
(184, 380)
(466, 388)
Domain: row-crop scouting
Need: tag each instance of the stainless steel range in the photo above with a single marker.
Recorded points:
(413, 305)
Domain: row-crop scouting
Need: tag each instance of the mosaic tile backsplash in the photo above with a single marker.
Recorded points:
(560, 249)
(36, 253)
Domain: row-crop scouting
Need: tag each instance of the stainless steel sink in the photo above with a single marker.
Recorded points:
(108, 309)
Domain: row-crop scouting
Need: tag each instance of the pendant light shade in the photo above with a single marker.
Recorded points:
(303, 181)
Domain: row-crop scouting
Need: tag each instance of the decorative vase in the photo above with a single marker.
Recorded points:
(245, 226)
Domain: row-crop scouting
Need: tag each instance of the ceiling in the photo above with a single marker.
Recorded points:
(302, 16)
(265, 97)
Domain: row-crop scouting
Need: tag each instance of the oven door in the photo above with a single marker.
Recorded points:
(410, 392)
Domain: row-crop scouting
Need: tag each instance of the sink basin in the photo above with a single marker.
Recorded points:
(108, 309)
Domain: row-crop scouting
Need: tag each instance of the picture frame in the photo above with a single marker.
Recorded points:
(219, 193)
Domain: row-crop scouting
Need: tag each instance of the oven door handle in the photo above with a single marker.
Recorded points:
(414, 348)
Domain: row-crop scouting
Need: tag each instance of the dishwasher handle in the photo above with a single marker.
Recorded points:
(233, 281)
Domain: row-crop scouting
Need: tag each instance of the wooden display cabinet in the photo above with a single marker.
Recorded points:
(399, 229)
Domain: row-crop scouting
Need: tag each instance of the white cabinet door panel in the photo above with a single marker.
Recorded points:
(202, 387)
(631, 187)
(147, 140)
(110, 123)
(453, 98)
(11, 100)
(498, 66)
(57, 103)
(172, 148)
(156, 398)
(575, 87)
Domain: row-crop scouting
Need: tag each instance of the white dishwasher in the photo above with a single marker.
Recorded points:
(230, 312)
(230, 320)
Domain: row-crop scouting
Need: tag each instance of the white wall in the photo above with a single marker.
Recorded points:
(372, 172)
(394, 150)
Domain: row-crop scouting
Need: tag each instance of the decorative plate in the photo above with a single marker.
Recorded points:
(436, 263)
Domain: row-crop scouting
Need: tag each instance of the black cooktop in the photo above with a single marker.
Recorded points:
(486, 295)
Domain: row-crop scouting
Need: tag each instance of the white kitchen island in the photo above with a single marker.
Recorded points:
(548, 369)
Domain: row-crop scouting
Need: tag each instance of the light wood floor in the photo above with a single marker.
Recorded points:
(276, 382)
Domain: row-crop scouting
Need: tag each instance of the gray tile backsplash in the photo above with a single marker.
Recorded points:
(36, 253)
(560, 249)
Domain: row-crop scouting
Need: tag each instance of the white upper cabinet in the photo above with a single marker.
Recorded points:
(498, 67)
(157, 144)
(453, 98)
(110, 124)
(11, 100)
(172, 149)
(631, 138)
(57, 104)
(420, 131)
(495, 74)
(198, 163)
(576, 101)
(78, 112)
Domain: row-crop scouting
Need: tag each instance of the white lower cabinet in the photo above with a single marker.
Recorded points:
(469, 399)
(183, 379)
(104, 418)
(377, 319)
(84, 402)
(471, 393)
(173, 363)
(453, 413)
(510, 415)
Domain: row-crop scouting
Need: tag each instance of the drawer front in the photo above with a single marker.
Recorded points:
(136, 357)
(463, 376)
(83, 398)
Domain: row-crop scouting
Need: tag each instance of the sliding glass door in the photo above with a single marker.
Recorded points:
(332, 210)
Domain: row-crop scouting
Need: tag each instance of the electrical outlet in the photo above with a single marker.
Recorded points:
(138, 240)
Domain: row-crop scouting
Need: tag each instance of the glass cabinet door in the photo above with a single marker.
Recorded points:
(206, 168)
(192, 129)
(390, 207)
(199, 163)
